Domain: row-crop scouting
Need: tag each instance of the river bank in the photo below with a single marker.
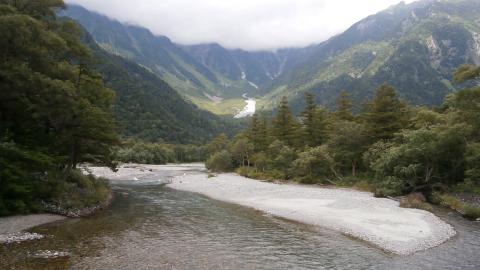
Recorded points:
(12, 229)
(151, 225)
(378, 221)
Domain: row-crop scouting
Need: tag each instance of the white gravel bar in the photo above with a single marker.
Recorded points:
(359, 214)
(12, 229)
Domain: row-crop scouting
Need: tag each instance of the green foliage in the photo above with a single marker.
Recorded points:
(348, 141)
(314, 123)
(466, 209)
(472, 157)
(463, 107)
(242, 151)
(385, 115)
(466, 73)
(424, 158)
(314, 165)
(257, 132)
(159, 153)
(471, 211)
(218, 144)
(282, 157)
(220, 162)
(55, 111)
(284, 125)
(390, 149)
(344, 107)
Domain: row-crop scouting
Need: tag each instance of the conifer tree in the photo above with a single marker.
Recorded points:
(284, 126)
(344, 107)
(386, 114)
(308, 118)
(314, 123)
(257, 132)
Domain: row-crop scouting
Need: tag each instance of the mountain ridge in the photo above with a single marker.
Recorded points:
(436, 35)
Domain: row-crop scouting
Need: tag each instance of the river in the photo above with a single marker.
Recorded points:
(150, 226)
(249, 109)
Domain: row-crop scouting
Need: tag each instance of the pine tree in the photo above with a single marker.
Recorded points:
(386, 114)
(257, 132)
(284, 126)
(314, 123)
(308, 119)
(344, 107)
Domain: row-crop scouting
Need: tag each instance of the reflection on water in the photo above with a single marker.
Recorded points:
(154, 227)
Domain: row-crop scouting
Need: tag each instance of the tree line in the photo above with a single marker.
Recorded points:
(390, 147)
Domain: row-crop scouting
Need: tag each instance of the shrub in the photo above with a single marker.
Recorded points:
(314, 163)
(471, 211)
(390, 186)
(415, 200)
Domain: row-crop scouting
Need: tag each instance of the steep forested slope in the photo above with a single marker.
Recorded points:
(413, 47)
(148, 108)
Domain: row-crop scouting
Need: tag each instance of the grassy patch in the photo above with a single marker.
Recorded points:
(466, 209)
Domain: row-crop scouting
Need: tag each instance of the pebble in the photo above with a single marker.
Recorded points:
(19, 237)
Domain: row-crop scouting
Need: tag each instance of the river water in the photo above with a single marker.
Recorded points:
(150, 226)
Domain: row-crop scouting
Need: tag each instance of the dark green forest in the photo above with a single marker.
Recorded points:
(55, 111)
(390, 147)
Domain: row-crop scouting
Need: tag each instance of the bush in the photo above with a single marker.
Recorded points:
(313, 165)
(220, 162)
(471, 211)
(72, 190)
(390, 186)
(423, 160)
(415, 200)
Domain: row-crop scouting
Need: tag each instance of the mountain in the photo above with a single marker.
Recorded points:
(203, 74)
(147, 108)
(414, 47)
(258, 68)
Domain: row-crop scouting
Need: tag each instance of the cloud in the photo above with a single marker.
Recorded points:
(246, 24)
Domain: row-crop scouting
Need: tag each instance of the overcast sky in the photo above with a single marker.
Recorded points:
(246, 24)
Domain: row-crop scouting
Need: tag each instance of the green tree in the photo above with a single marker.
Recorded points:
(242, 151)
(314, 164)
(424, 158)
(466, 73)
(284, 126)
(281, 157)
(472, 157)
(218, 144)
(220, 162)
(347, 143)
(260, 161)
(344, 107)
(386, 114)
(314, 122)
(52, 105)
(463, 108)
(257, 132)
